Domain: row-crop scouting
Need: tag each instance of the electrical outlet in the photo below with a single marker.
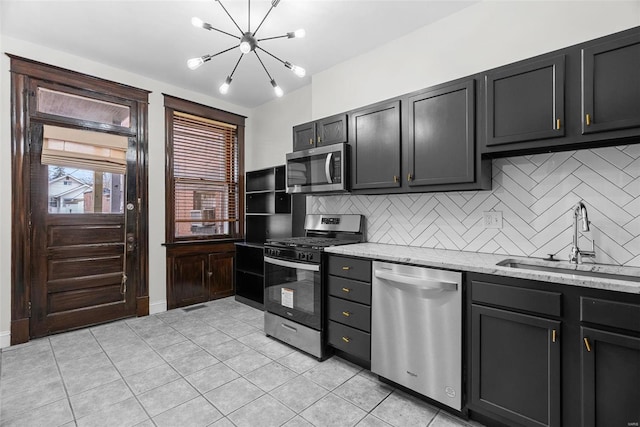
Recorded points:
(492, 219)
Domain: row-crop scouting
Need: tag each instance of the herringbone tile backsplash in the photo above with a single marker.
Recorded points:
(535, 195)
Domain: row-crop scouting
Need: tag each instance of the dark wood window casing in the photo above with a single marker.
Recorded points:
(204, 172)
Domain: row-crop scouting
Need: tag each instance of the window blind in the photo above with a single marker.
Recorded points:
(84, 149)
(205, 175)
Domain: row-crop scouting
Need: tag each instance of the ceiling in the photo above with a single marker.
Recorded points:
(155, 38)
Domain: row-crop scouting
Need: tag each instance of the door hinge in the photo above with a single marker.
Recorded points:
(29, 309)
(29, 223)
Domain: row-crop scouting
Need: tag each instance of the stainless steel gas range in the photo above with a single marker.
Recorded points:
(294, 291)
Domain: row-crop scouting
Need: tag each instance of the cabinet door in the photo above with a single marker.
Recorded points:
(221, 275)
(190, 284)
(331, 130)
(611, 85)
(610, 379)
(515, 366)
(375, 146)
(304, 136)
(525, 102)
(442, 136)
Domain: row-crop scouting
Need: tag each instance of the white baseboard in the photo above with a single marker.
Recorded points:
(157, 307)
(5, 339)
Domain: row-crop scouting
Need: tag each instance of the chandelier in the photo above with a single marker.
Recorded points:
(247, 43)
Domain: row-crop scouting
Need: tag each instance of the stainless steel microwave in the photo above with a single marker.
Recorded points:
(318, 170)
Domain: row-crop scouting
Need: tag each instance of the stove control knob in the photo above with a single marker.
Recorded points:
(310, 256)
(301, 255)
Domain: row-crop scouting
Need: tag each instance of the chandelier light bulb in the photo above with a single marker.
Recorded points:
(224, 88)
(277, 89)
(194, 63)
(245, 47)
(300, 33)
(197, 22)
(299, 71)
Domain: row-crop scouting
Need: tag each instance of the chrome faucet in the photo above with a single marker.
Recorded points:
(576, 255)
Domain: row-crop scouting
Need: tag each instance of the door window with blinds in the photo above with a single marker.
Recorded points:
(203, 175)
(86, 170)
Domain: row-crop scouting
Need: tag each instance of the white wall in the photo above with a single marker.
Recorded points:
(157, 273)
(271, 128)
(480, 37)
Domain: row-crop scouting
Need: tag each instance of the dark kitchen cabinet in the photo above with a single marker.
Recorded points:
(349, 307)
(221, 283)
(441, 137)
(268, 216)
(525, 102)
(267, 205)
(199, 273)
(326, 131)
(611, 85)
(610, 362)
(582, 96)
(375, 141)
(515, 356)
(549, 354)
(610, 379)
(250, 274)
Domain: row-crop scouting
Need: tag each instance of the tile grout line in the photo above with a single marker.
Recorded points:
(64, 384)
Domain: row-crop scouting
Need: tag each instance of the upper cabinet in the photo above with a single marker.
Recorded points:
(375, 146)
(525, 102)
(441, 138)
(422, 142)
(327, 131)
(611, 85)
(583, 96)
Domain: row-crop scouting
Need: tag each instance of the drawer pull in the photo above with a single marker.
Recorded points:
(557, 124)
(586, 344)
(553, 335)
(347, 290)
(346, 268)
(346, 314)
(346, 339)
(588, 119)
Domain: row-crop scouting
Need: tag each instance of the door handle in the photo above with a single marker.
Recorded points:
(131, 242)
(327, 168)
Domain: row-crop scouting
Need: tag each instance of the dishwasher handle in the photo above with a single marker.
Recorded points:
(406, 282)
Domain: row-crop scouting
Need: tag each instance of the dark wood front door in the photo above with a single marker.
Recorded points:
(77, 250)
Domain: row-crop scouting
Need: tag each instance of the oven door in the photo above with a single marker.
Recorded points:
(317, 170)
(293, 290)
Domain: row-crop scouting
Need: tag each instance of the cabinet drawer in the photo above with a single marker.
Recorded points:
(350, 313)
(543, 302)
(350, 340)
(610, 313)
(351, 268)
(351, 290)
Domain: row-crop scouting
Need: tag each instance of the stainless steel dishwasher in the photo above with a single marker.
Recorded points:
(416, 330)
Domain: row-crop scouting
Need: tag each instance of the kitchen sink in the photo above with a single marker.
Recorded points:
(591, 270)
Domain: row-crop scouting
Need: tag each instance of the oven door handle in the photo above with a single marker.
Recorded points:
(290, 264)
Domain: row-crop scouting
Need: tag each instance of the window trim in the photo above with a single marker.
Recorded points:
(173, 104)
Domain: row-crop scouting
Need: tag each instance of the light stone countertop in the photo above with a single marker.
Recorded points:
(486, 263)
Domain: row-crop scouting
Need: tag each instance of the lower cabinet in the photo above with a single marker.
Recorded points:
(516, 366)
(610, 379)
(545, 354)
(349, 307)
(199, 273)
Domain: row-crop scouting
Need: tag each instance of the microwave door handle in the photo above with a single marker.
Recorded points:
(327, 168)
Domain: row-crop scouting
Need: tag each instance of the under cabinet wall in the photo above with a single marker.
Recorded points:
(534, 194)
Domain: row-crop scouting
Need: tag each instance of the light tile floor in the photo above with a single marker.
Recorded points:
(208, 366)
